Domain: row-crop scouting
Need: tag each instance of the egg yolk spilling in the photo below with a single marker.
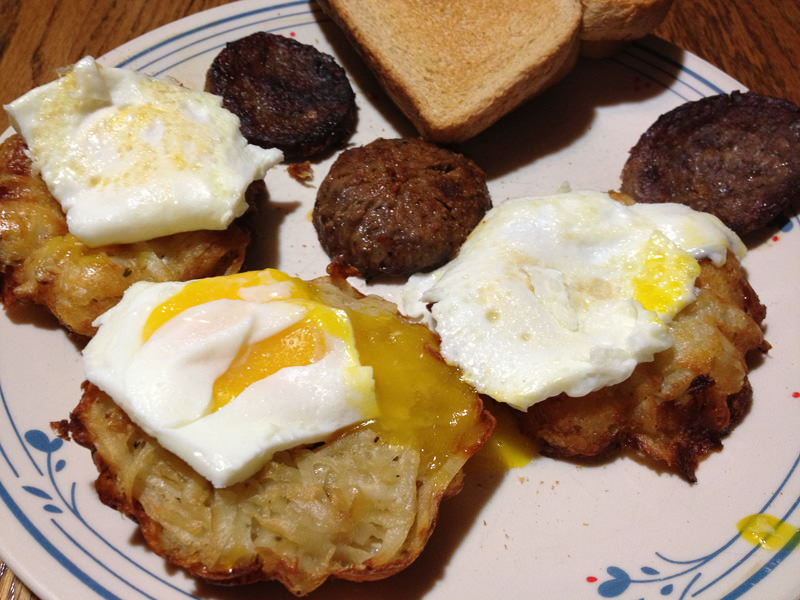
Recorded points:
(422, 401)
(508, 448)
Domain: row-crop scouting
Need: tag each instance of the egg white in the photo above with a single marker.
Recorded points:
(165, 383)
(132, 158)
(701, 234)
(541, 297)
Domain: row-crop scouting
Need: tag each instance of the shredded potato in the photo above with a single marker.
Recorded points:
(41, 263)
(358, 507)
(677, 408)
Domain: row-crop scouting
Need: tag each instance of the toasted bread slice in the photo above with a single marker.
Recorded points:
(607, 24)
(454, 68)
(610, 20)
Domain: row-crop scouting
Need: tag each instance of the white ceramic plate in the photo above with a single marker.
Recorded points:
(552, 529)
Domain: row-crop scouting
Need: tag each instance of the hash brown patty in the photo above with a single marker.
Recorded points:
(359, 507)
(42, 263)
(677, 408)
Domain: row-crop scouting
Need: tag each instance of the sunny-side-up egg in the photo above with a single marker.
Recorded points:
(131, 157)
(226, 371)
(565, 293)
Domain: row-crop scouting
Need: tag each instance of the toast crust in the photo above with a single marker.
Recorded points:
(617, 20)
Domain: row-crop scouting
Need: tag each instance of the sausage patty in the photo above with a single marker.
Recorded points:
(287, 95)
(398, 206)
(736, 156)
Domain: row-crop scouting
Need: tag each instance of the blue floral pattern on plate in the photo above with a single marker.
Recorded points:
(685, 577)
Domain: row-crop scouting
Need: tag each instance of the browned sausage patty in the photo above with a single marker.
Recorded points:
(736, 156)
(398, 206)
(287, 95)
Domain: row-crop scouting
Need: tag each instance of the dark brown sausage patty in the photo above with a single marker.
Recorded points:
(287, 95)
(736, 156)
(398, 206)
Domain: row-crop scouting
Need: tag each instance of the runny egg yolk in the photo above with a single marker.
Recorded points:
(201, 291)
(666, 277)
(508, 448)
(298, 345)
(422, 402)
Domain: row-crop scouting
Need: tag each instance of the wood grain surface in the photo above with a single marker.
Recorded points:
(754, 41)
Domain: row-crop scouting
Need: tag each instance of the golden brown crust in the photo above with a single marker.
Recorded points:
(677, 408)
(357, 507)
(41, 263)
(616, 20)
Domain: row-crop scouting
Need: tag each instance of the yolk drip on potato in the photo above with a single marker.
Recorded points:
(508, 448)
(422, 401)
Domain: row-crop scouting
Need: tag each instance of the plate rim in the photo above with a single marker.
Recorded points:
(647, 49)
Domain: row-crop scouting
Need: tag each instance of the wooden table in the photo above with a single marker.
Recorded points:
(756, 42)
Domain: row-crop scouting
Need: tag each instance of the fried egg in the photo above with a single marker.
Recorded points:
(131, 157)
(226, 371)
(701, 234)
(564, 293)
